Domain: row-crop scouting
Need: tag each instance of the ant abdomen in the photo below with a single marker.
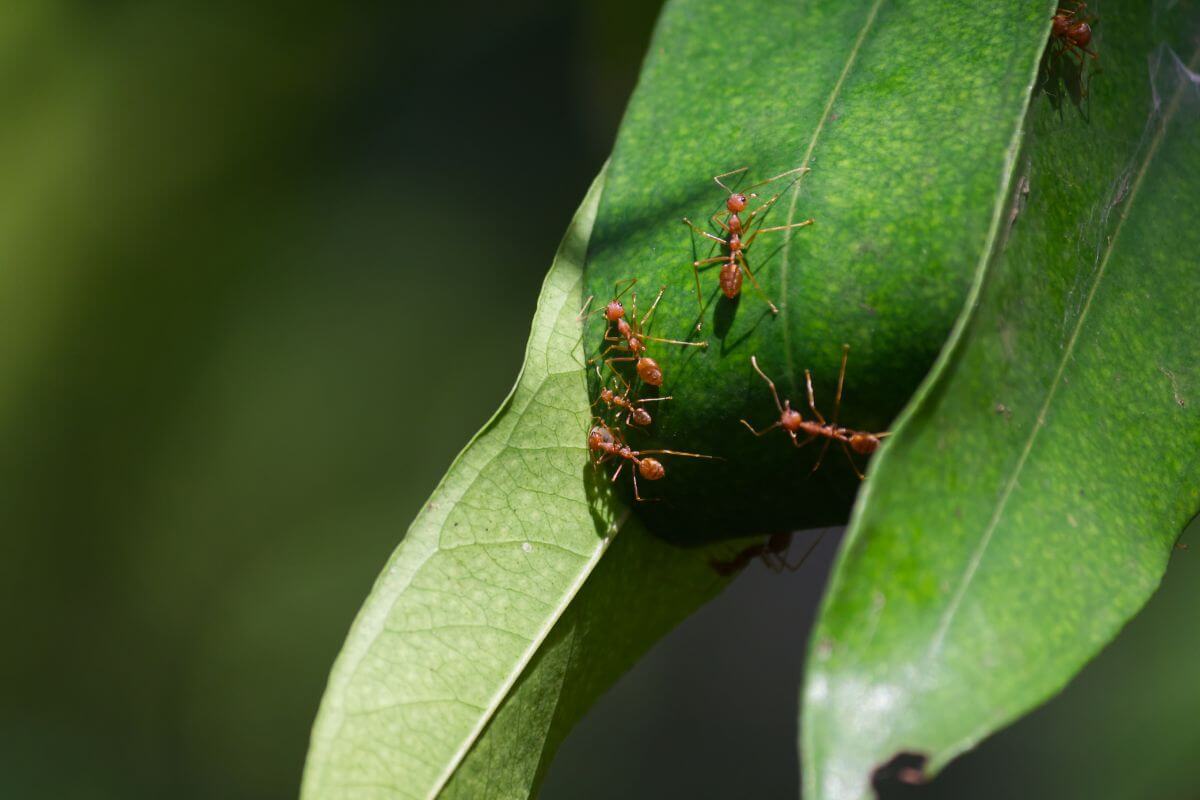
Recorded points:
(640, 416)
(864, 443)
(1080, 34)
(651, 469)
(649, 371)
(731, 280)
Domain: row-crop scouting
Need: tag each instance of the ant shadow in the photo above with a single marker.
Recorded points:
(604, 504)
(1062, 80)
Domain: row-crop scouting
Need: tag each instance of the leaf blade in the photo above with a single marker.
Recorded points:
(1001, 469)
(477, 494)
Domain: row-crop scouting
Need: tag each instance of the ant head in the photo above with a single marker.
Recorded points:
(864, 443)
(791, 420)
(599, 437)
(1080, 34)
(614, 310)
(651, 469)
(736, 203)
(649, 371)
(640, 416)
(606, 394)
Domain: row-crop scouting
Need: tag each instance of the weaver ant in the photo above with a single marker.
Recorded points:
(772, 552)
(792, 422)
(733, 261)
(1072, 31)
(605, 443)
(634, 413)
(631, 337)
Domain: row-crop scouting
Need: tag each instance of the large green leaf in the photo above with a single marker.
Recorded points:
(1027, 505)
(907, 114)
(470, 659)
(465, 667)
(1134, 706)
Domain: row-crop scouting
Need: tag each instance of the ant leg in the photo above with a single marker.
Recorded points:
(808, 552)
(645, 321)
(754, 281)
(807, 439)
(720, 222)
(580, 317)
(837, 401)
(774, 178)
(812, 401)
(633, 471)
(756, 234)
(677, 453)
(703, 232)
(706, 261)
(821, 455)
(764, 431)
(674, 341)
(853, 465)
(608, 362)
(738, 171)
(629, 283)
(770, 383)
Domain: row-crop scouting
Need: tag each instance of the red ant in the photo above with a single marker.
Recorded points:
(791, 421)
(631, 337)
(773, 553)
(733, 261)
(1072, 30)
(606, 443)
(634, 413)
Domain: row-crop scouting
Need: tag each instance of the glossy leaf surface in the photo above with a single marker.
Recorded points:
(1028, 503)
(907, 114)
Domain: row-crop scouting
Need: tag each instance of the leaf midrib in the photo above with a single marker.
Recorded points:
(812, 145)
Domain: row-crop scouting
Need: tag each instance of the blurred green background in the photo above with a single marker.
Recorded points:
(264, 269)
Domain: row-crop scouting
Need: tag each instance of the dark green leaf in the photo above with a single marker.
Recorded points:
(1027, 505)
(907, 115)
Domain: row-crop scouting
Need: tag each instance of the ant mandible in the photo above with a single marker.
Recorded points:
(793, 423)
(631, 338)
(634, 413)
(733, 261)
(606, 443)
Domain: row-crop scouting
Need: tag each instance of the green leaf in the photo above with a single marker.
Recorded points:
(907, 115)
(1134, 706)
(470, 661)
(1027, 504)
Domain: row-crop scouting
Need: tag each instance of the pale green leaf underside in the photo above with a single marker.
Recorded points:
(480, 645)
(1027, 504)
(482, 575)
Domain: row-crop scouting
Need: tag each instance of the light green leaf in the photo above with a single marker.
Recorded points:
(1028, 502)
(473, 655)
(484, 572)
